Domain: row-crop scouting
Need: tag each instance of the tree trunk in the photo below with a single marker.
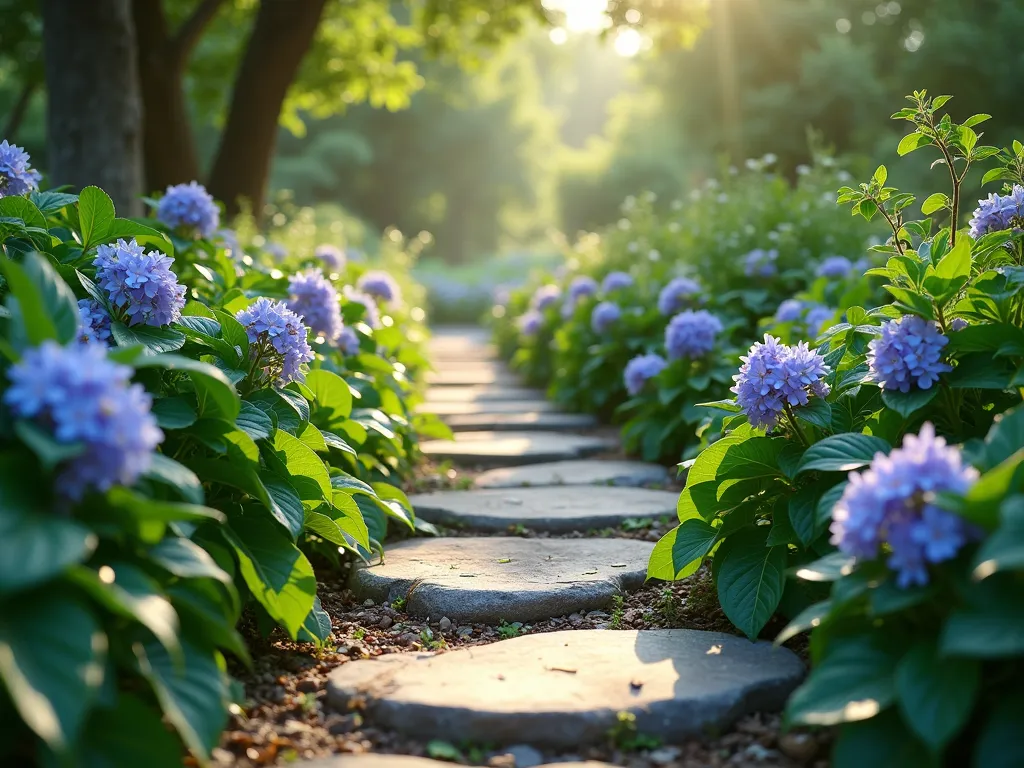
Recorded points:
(282, 34)
(94, 112)
(17, 113)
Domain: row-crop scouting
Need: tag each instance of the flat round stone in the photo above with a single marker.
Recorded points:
(513, 448)
(370, 760)
(485, 407)
(492, 579)
(471, 375)
(553, 509)
(587, 472)
(505, 422)
(481, 394)
(564, 690)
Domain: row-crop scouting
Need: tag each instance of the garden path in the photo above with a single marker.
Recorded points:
(560, 690)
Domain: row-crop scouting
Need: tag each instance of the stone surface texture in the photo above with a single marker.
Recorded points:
(368, 760)
(513, 448)
(564, 689)
(633, 473)
(492, 579)
(553, 509)
(505, 422)
(486, 407)
(481, 394)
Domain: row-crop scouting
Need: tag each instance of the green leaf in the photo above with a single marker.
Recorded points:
(934, 203)
(47, 307)
(1005, 437)
(52, 657)
(803, 515)
(186, 560)
(705, 467)
(750, 579)
(216, 394)
(999, 744)
(287, 506)
(842, 453)
(333, 399)
(809, 618)
(155, 340)
(50, 202)
(349, 518)
(907, 404)
(957, 262)
(936, 694)
(174, 412)
(166, 470)
(317, 626)
(254, 422)
(754, 457)
(831, 567)
(313, 438)
(1004, 549)
(881, 742)
(207, 614)
(302, 463)
(910, 142)
(817, 412)
(277, 573)
(854, 681)
(680, 552)
(132, 733)
(396, 501)
(990, 626)
(192, 692)
(95, 215)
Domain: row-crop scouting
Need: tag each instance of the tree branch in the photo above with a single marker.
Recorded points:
(17, 112)
(191, 29)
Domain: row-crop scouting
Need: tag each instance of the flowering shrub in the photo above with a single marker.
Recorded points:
(165, 463)
(16, 176)
(882, 471)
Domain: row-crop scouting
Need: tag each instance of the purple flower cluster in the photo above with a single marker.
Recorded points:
(348, 341)
(16, 177)
(774, 375)
(674, 296)
(605, 315)
(691, 334)
(330, 256)
(835, 267)
(276, 251)
(582, 287)
(545, 296)
(371, 315)
(789, 310)
(229, 239)
(277, 338)
(530, 323)
(817, 317)
(314, 298)
(93, 323)
(908, 354)
(141, 286)
(958, 324)
(84, 398)
(761, 263)
(190, 209)
(640, 370)
(381, 286)
(999, 212)
(892, 502)
(616, 281)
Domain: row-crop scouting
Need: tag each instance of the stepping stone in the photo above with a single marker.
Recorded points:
(481, 394)
(492, 579)
(471, 377)
(369, 760)
(553, 509)
(499, 449)
(475, 407)
(564, 690)
(504, 422)
(591, 472)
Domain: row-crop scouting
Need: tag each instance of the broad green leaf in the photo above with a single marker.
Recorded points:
(301, 462)
(1005, 437)
(842, 453)
(809, 618)
(396, 500)
(211, 614)
(1004, 549)
(317, 626)
(155, 340)
(802, 511)
(349, 518)
(912, 141)
(132, 733)
(908, 403)
(753, 457)
(186, 560)
(287, 506)
(333, 399)
(312, 437)
(254, 421)
(217, 396)
(47, 307)
(883, 741)
(174, 412)
(705, 468)
(934, 203)
(990, 626)
(750, 579)
(166, 470)
(831, 567)
(936, 694)
(817, 412)
(999, 744)
(681, 551)
(95, 215)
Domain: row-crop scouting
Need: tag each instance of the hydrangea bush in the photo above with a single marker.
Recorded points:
(189, 423)
(868, 483)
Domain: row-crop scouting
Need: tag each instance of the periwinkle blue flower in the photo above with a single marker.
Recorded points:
(277, 342)
(371, 314)
(774, 375)
(381, 286)
(315, 299)
(892, 503)
(616, 281)
(908, 354)
(81, 397)
(93, 323)
(348, 341)
(141, 286)
(331, 256)
(789, 310)
(691, 334)
(835, 267)
(545, 296)
(530, 323)
(761, 263)
(16, 176)
(229, 239)
(640, 370)
(958, 324)
(582, 287)
(604, 317)
(999, 212)
(676, 295)
(190, 209)
(817, 317)
(277, 251)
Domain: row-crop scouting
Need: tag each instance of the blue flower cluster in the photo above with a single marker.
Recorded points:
(817, 317)
(545, 296)
(16, 177)
(892, 503)
(761, 263)
(276, 251)
(314, 298)
(582, 287)
(229, 239)
(999, 212)
(277, 338)
(640, 370)
(908, 354)
(605, 315)
(190, 209)
(835, 267)
(531, 322)
(616, 281)
(691, 334)
(371, 314)
(93, 323)
(348, 341)
(330, 256)
(774, 375)
(789, 310)
(84, 398)
(141, 286)
(674, 296)
(381, 286)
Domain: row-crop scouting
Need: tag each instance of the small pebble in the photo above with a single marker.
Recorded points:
(385, 622)
(445, 624)
(368, 602)
(799, 746)
(664, 755)
(308, 685)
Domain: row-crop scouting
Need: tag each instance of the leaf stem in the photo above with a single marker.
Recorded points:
(796, 427)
